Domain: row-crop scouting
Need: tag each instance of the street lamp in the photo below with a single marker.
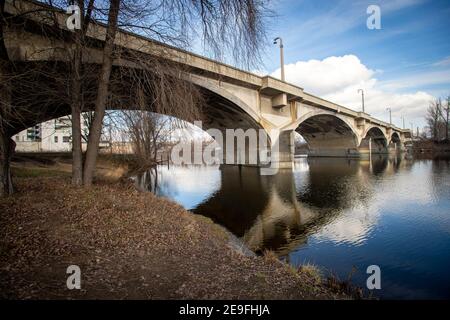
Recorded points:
(275, 41)
(362, 95)
(390, 115)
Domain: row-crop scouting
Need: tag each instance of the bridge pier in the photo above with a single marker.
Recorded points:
(278, 150)
(283, 148)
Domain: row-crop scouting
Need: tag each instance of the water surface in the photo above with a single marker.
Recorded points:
(341, 214)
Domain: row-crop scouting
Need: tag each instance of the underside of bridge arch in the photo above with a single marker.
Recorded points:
(395, 139)
(373, 142)
(328, 136)
(43, 96)
(395, 143)
(236, 127)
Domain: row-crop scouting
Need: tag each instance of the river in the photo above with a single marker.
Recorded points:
(340, 214)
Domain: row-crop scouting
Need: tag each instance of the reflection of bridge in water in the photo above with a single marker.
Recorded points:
(279, 212)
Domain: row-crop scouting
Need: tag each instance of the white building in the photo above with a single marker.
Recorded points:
(50, 136)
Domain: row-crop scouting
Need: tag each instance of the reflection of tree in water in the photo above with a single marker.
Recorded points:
(147, 180)
(440, 167)
(152, 181)
(440, 164)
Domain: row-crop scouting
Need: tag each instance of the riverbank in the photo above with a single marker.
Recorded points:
(128, 245)
(431, 149)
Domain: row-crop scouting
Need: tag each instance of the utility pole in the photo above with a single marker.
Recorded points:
(390, 115)
(275, 41)
(362, 95)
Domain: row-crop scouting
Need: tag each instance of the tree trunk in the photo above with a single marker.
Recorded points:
(7, 147)
(447, 123)
(77, 153)
(102, 95)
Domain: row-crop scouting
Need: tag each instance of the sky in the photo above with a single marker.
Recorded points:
(330, 52)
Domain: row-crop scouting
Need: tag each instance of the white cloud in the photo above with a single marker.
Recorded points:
(338, 79)
(329, 75)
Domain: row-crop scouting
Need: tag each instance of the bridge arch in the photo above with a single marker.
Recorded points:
(377, 139)
(373, 129)
(222, 110)
(211, 87)
(395, 142)
(327, 134)
(395, 138)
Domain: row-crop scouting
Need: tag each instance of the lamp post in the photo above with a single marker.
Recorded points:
(275, 41)
(362, 97)
(390, 115)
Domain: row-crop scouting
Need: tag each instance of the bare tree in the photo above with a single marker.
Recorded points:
(18, 109)
(149, 133)
(444, 112)
(102, 93)
(432, 118)
(437, 118)
(7, 146)
(76, 91)
(228, 28)
(235, 24)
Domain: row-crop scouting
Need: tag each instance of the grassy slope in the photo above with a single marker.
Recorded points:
(128, 245)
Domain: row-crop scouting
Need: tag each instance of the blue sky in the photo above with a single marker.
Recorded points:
(402, 66)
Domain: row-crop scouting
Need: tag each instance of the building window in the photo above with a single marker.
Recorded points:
(66, 139)
(34, 133)
(56, 139)
(17, 138)
(62, 123)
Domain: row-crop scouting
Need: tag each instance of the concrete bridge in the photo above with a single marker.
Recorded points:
(236, 98)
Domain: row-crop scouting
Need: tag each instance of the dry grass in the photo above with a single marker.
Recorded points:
(128, 245)
(312, 271)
